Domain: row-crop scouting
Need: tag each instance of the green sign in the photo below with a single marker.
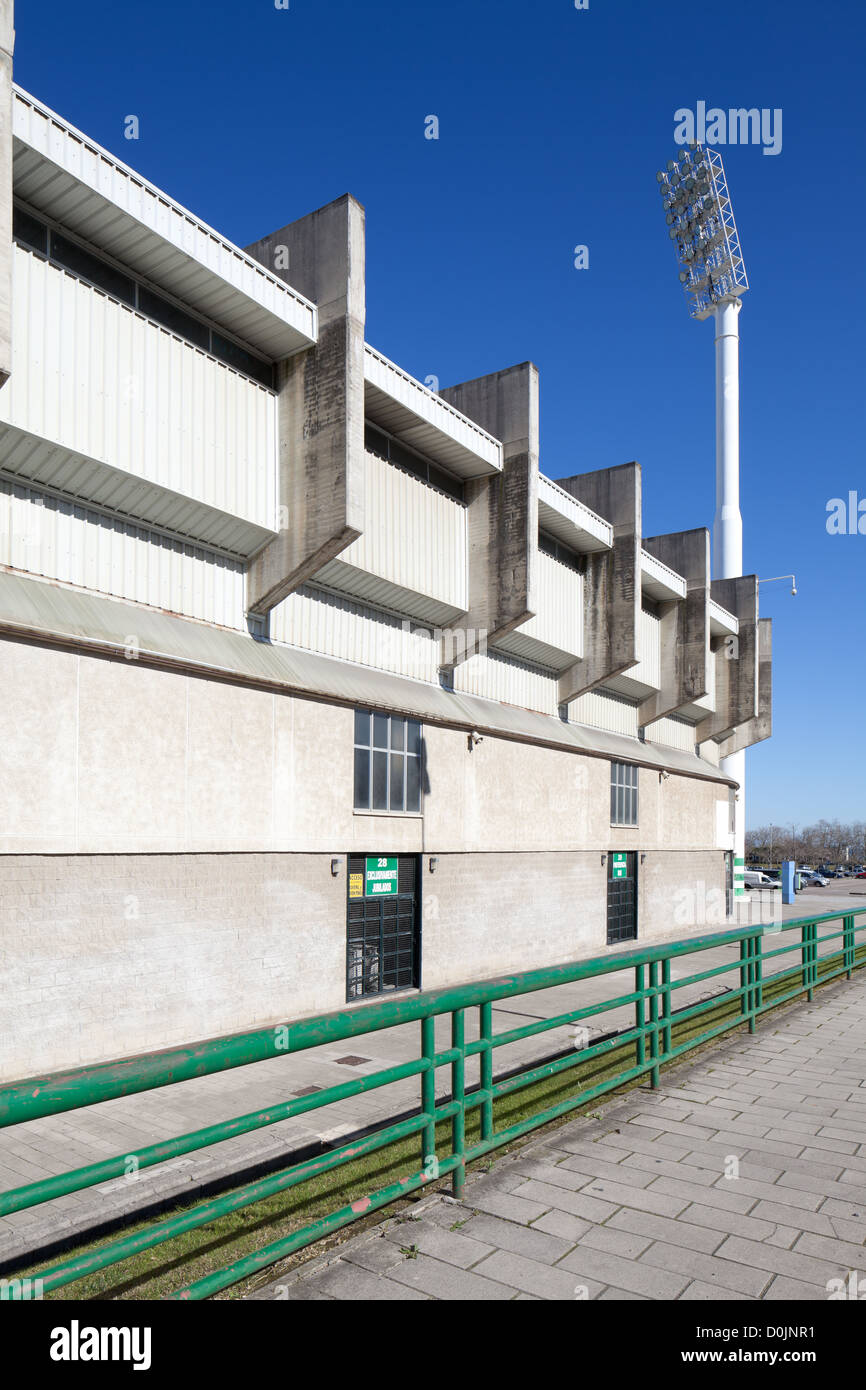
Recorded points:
(380, 878)
(620, 866)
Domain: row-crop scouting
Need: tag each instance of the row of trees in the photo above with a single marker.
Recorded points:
(826, 842)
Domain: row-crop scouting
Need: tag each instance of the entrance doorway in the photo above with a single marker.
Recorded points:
(383, 925)
(621, 896)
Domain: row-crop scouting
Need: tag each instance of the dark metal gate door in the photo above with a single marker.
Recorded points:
(621, 896)
(382, 931)
(729, 883)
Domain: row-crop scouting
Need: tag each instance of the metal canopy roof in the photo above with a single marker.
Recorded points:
(94, 483)
(721, 621)
(426, 422)
(45, 611)
(569, 520)
(59, 171)
(659, 581)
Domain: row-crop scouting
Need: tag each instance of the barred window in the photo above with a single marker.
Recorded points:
(623, 794)
(31, 232)
(385, 447)
(549, 545)
(387, 762)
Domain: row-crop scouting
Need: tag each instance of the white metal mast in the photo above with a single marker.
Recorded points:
(728, 521)
(701, 225)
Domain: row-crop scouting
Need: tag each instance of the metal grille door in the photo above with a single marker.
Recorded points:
(383, 927)
(729, 884)
(621, 896)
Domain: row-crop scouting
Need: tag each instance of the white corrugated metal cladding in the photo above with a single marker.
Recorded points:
(73, 544)
(95, 377)
(413, 554)
(554, 637)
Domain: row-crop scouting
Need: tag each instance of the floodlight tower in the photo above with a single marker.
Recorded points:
(701, 225)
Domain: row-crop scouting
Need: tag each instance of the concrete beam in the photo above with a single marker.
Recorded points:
(611, 580)
(685, 625)
(7, 43)
(736, 660)
(321, 402)
(761, 727)
(502, 509)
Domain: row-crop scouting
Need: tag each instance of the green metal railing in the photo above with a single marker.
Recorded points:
(651, 1043)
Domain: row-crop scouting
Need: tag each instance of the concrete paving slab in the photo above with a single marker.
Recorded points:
(611, 1207)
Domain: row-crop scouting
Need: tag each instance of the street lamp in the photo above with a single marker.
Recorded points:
(701, 225)
(777, 579)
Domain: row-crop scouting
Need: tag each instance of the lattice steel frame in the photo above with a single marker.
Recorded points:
(722, 273)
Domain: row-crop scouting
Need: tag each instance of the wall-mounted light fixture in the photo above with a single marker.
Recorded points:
(335, 867)
(432, 862)
(603, 860)
(780, 578)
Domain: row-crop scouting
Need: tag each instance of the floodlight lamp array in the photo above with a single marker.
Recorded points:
(700, 222)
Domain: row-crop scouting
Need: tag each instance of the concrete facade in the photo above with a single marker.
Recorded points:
(321, 401)
(755, 730)
(180, 789)
(612, 591)
(502, 511)
(737, 669)
(685, 636)
(149, 866)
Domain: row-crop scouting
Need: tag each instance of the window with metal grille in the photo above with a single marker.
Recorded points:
(35, 235)
(623, 794)
(388, 752)
(549, 545)
(385, 446)
(383, 946)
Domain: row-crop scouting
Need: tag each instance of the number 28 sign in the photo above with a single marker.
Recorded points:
(380, 878)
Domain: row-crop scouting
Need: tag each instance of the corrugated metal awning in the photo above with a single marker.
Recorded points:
(60, 171)
(44, 611)
(413, 413)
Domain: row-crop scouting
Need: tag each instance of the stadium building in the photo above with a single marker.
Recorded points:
(314, 685)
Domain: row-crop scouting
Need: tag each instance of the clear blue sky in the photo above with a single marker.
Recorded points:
(553, 122)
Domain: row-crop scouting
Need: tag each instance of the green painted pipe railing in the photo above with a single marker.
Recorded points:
(651, 1041)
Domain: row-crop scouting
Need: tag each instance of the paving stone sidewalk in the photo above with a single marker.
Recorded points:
(41, 1148)
(742, 1177)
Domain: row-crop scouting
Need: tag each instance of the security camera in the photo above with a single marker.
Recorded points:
(793, 593)
(474, 739)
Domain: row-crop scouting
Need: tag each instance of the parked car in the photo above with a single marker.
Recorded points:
(862, 874)
(752, 878)
(813, 880)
